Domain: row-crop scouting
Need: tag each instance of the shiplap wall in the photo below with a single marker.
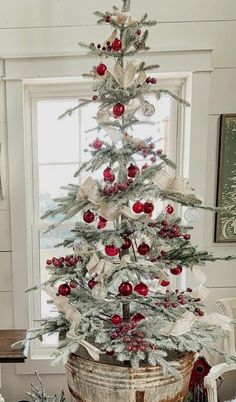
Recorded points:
(48, 27)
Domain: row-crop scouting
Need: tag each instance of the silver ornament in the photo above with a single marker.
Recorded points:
(191, 215)
(148, 109)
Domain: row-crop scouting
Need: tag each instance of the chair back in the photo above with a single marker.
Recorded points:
(227, 306)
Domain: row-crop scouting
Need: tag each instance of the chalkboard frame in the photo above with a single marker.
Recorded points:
(218, 238)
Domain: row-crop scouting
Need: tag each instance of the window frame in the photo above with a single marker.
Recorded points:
(192, 66)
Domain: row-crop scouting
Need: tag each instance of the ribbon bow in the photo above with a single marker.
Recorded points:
(123, 18)
(166, 182)
(126, 77)
(99, 266)
(74, 317)
(89, 189)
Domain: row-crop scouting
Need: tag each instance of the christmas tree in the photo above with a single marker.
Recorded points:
(115, 295)
(38, 393)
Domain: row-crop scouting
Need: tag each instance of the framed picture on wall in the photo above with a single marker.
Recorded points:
(225, 226)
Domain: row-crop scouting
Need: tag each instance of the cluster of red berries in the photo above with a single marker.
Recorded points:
(134, 340)
(146, 207)
(172, 230)
(61, 262)
(65, 289)
(89, 217)
(126, 289)
(114, 46)
(181, 299)
(145, 150)
(150, 80)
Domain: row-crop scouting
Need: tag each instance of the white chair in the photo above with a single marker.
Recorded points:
(226, 306)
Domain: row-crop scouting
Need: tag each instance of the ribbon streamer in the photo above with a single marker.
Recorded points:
(126, 77)
(123, 18)
(89, 189)
(178, 184)
(74, 317)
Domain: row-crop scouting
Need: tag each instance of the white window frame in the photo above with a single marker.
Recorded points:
(192, 67)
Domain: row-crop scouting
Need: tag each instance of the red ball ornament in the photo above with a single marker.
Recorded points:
(143, 249)
(92, 283)
(97, 144)
(101, 69)
(148, 207)
(116, 319)
(142, 289)
(102, 219)
(64, 289)
(116, 45)
(137, 317)
(169, 209)
(88, 216)
(111, 250)
(125, 289)
(118, 109)
(126, 243)
(101, 225)
(107, 173)
(138, 207)
(177, 270)
(187, 236)
(164, 283)
(132, 170)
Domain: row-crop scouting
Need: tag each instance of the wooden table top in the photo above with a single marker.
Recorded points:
(7, 338)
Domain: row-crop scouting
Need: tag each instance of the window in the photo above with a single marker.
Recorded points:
(55, 150)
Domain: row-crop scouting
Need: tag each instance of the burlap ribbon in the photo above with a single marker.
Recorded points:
(74, 317)
(188, 319)
(178, 184)
(123, 18)
(126, 77)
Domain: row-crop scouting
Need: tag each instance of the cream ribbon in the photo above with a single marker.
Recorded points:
(74, 317)
(178, 184)
(128, 139)
(123, 18)
(99, 266)
(200, 291)
(187, 320)
(126, 77)
(89, 189)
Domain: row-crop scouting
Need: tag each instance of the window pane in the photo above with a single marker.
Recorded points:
(57, 139)
(51, 179)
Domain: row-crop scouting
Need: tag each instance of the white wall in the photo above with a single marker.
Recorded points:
(48, 27)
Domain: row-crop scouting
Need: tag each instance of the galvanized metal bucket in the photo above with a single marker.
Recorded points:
(91, 381)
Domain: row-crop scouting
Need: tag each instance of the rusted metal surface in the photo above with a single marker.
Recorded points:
(91, 381)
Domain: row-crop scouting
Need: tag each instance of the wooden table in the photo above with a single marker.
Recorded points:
(7, 338)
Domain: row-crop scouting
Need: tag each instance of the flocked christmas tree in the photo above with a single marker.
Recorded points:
(115, 295)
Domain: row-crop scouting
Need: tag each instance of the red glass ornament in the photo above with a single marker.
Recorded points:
(118, 109)
(110, 352)
(102, 219)
(101, 69)
(56, 262)
(132, 170)
(107, 173)
(148, 207)
(116, 45)
(164, 283)
(137, 317)
(138, 207)
(187, 236)
(142, 289)
(126, 243)
(64, 289)
(143, 249)
(116, 319)
(177, 270)
(111, 250)
(88, 216)
(97, 144)
(169, 209)
(49, 262)
(125, 289)
(92, 283)
(101, 225)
